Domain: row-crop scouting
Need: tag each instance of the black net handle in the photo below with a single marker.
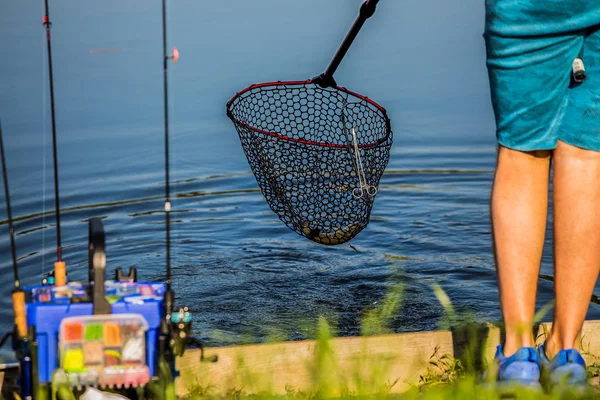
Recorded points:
(366, 11)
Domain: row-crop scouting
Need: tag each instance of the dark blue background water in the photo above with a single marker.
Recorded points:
(238, 267)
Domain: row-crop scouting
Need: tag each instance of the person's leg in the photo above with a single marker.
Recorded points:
(519, 207)
(577, 204)
(576, 242)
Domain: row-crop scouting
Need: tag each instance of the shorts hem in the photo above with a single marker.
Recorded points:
(525, 148)
(529, 148)
(580, 145)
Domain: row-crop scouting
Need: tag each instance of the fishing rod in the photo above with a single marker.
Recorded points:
(366, 11)
(21, 343)
(177, 330)
(169, 295)
(60, 273)
(18, 295)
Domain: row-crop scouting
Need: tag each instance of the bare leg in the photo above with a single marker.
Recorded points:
(576, 241)
(519, 211)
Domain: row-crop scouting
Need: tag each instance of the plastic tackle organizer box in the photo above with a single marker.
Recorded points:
(104, 350)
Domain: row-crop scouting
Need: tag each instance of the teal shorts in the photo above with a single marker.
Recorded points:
(531, 46)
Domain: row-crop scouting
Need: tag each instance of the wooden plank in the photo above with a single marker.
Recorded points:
(372, 363)
(356, 362)
(281, 366)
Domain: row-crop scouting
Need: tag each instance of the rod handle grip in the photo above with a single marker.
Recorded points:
(60, 273)
(18, 300)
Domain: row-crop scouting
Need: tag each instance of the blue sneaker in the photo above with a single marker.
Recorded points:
(567, 368)
(520, 369)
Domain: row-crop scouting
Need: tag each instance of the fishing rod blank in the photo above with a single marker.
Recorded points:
(59, 266)
(166, 102)
(18, 295)
(366, 11)
(169, 296)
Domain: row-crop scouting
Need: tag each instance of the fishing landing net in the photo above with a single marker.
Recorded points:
(317, 154)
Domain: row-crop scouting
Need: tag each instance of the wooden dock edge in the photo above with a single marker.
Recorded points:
(397, 360)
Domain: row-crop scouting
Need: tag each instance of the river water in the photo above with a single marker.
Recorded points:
(241, 271)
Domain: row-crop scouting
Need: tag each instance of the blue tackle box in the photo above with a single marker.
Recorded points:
(47, 306)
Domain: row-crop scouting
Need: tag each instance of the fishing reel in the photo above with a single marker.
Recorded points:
(181, 328)
(48, 279)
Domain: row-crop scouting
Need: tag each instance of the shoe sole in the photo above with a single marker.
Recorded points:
(570, 374)
(511, 387)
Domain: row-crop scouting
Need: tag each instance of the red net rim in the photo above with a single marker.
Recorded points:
(308, 142)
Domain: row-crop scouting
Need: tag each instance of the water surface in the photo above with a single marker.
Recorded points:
(236, 265)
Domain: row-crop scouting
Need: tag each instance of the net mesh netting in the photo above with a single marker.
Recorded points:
(317, 154)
